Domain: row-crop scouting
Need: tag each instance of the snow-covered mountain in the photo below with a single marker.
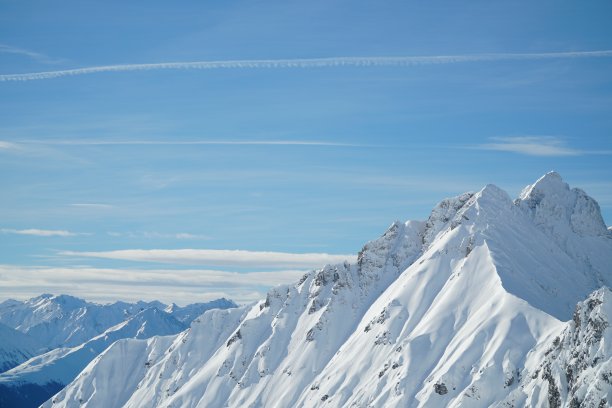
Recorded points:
(15, 347)
(454, 311)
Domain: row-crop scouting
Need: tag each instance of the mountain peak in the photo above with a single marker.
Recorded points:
(68, 300)
(41, 297)
(550, 183)
(559, 209)
(64, 301)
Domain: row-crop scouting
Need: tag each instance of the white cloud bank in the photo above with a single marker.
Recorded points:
(308, 63)
(108, 285)
(219, 257)
(41, 232)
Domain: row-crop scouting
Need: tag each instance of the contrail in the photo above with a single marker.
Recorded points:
(308, 63)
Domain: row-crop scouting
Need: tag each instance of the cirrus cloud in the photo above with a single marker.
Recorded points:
(7, 49)
(42, 232)
(551, 146)
(156, 235)
(4, 145)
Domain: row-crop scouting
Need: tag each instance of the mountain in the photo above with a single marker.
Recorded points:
(67, 321)
(15, 348)
(453, 311)
(39, 369)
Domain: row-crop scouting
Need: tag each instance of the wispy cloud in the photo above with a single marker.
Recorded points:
(105, 284)
(36, 150)
(179, 235)
(308, 63)
(551, 146)
(217, 257)
(7, 49)
(7, 145)
(531, 145)
(77, 142)
(93, 206)
(41, 232)
(153, 235)
(55, 149)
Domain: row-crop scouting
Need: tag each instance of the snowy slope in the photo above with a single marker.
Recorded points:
(131, 360)
(15, 347)
(66, 321)
(444, 312)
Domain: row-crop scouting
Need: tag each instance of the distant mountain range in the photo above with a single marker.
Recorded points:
(489, 302)
(46, 341)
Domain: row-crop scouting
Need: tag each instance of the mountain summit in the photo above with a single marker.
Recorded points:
(458, 310)
(555, 207)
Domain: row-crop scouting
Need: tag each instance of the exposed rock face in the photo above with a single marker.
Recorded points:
(442, 214)
(440, 388)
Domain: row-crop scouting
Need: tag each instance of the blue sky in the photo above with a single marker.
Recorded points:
(98, 169)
